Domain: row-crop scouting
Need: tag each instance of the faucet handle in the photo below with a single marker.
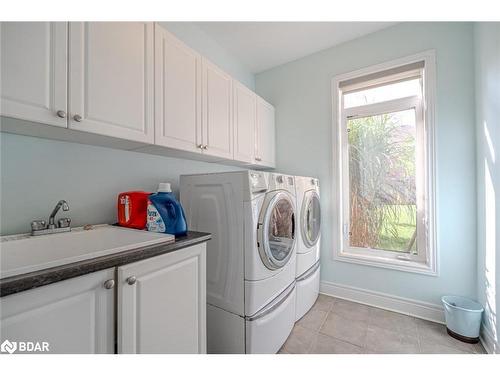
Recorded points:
(38, 225)
(64, 222)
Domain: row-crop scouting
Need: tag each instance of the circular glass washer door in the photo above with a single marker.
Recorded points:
(311, 218)
(276, 230)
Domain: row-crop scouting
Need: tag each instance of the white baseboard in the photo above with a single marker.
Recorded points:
(488, 341)
(419, 309)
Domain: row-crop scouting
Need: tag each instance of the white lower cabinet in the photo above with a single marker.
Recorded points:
(72, 316)
(162, 303)
(158, 305)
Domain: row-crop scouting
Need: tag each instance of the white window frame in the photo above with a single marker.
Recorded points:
(426, 262)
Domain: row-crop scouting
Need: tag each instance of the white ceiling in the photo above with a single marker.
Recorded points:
(263, 45)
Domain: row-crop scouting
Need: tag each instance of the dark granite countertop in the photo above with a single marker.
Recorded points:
(19, 283)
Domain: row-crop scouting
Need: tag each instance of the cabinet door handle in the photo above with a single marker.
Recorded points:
(109, 284)
(131, 280)
(258, 158)
(205, 147)
(61, 113)
(77, 118)
(200, 146)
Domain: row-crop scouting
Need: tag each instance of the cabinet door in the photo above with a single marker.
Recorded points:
(162, 304)
(217, 112)
(111, 79)
(177, 93)
(265, 134)
(245, 112)
(33, 71)
(72, 316)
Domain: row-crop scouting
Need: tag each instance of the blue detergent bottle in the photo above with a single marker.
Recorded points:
(165, 213)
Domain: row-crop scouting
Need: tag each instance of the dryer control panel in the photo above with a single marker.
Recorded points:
(314, 182)
(281, 182)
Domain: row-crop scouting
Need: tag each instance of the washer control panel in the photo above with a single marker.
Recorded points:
(258, 182)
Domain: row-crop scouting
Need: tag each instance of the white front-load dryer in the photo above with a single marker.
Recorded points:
(250, 258)
(308, 243)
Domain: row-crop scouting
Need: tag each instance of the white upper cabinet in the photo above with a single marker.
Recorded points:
(111, 79)
(254, 128)
(245, 112)
(177, 93)
(132, 81)
(217, 125)
(33, 76)
(162, 304)
(265, 148)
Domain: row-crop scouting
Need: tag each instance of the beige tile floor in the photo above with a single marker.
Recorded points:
(336, 326)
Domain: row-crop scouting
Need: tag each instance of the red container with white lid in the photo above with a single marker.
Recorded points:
(132, 209)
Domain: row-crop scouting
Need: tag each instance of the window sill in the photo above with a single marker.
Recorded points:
(390, 263)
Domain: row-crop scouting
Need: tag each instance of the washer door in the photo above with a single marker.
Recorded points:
(276, 230)
(311, 218)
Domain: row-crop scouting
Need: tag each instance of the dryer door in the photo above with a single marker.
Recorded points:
(311, 218)
(276, 230)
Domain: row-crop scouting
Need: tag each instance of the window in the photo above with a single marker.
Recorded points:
(384, 154)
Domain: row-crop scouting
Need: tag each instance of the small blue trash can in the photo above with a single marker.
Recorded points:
(463, 318)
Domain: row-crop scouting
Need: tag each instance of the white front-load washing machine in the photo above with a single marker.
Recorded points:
(308, 243)
(250, 259)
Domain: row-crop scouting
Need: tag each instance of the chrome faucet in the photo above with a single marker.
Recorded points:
(39, 227)
(62, 203)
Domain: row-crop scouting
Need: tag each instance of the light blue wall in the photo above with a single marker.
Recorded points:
(36, 173)
(301, 93)
(198, 40)
(487, 54)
